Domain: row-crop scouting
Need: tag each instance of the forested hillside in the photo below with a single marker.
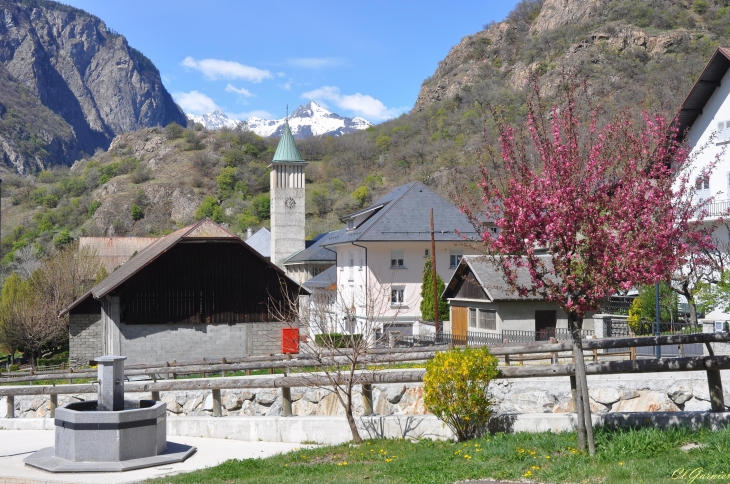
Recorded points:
(630, 54)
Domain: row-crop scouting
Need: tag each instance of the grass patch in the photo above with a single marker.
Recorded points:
(623, 456)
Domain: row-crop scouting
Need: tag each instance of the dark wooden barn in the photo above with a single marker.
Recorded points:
(198, 292)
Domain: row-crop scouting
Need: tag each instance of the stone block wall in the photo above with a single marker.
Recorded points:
(624, 393)
(85, 338)
(151, 343)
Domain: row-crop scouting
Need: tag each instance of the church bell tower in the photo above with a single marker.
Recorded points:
(287, 199)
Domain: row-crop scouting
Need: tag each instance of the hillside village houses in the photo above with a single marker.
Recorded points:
(204, 292)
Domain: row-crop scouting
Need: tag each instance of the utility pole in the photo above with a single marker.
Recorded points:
(435, 287)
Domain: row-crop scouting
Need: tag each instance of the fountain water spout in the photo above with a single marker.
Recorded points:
(111, 382)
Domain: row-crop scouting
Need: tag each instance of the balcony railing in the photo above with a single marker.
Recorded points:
(718, 208)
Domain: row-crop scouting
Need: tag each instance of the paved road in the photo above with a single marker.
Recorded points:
(15, 445)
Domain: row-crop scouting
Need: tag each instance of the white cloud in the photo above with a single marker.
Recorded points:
(286, 86)
(313, 62)
(361, 104)
(281, 74)
(242, 91)
(195, 102)
(258, 113)
(214, 69)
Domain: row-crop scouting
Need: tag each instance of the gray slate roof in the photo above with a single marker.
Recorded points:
(323, 279)
(314, 253)
(404, 215)
(261, 242)
(490, 278)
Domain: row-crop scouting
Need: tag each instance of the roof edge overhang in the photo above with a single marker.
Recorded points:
(700, 94)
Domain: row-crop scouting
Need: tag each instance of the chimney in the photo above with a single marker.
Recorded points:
(249, 233)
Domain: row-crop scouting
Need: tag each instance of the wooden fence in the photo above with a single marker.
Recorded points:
(710, 364)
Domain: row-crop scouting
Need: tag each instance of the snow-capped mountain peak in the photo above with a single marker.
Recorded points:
(215, 120)
(307, 120)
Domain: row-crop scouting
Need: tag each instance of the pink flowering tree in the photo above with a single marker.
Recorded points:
(587, 210)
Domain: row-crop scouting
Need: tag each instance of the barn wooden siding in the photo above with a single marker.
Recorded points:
(220, 282)
(469, 288)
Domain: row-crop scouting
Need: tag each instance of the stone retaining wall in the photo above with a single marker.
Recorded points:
(686, 391)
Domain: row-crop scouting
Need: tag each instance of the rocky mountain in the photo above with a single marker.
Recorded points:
(307, 120)
(630, 53)
(68, 85)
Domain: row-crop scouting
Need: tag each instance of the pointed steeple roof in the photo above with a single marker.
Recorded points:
(287, 151)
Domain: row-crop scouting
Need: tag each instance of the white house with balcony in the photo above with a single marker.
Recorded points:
(380, 255)
(704, 120)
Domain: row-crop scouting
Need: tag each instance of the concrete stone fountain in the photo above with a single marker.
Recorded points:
(104, 435)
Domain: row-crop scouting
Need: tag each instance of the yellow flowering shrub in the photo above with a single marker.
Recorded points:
(456, 389)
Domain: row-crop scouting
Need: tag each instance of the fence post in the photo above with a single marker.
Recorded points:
(248, 372)
(553, 355)
(54, 405)
(506, 357)
(217, 403)
(367, 399)
(10, 412)
(271, 370)
(223, 362)
(155, 396)
(714, 381)
(286, 401)
(174, 376)
(522, 362)
(632, 352)
(595, 352)
(573, 386)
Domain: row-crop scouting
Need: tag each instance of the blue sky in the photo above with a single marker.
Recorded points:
(253, 58)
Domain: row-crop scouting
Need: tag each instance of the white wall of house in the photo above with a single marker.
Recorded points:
(375, 277)
(715, 113)
(517, 315)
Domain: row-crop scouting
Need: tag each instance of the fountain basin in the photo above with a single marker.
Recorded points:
(90, 440)
(86, 434)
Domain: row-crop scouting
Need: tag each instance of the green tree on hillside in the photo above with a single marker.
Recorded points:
(209, 208)
(427, 294)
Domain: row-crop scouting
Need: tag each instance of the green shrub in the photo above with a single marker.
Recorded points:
(136, 212)
(226, 182)
(14, 368)
(700, 6)
(93, 206)
(337, 340)
(261, 206)
(456, 389)
(362, 195)
(209, 208)
(173, 131)
(140, 175)
(63, 238)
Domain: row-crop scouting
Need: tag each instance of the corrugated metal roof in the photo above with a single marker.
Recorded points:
(287, 151)
(703, 89)
(201, 231)
(491, 279)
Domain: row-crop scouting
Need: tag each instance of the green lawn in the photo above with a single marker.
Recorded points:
(623, 456)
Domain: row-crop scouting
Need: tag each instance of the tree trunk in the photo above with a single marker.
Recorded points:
(692, 312)
(351, 419)
(583, 404)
